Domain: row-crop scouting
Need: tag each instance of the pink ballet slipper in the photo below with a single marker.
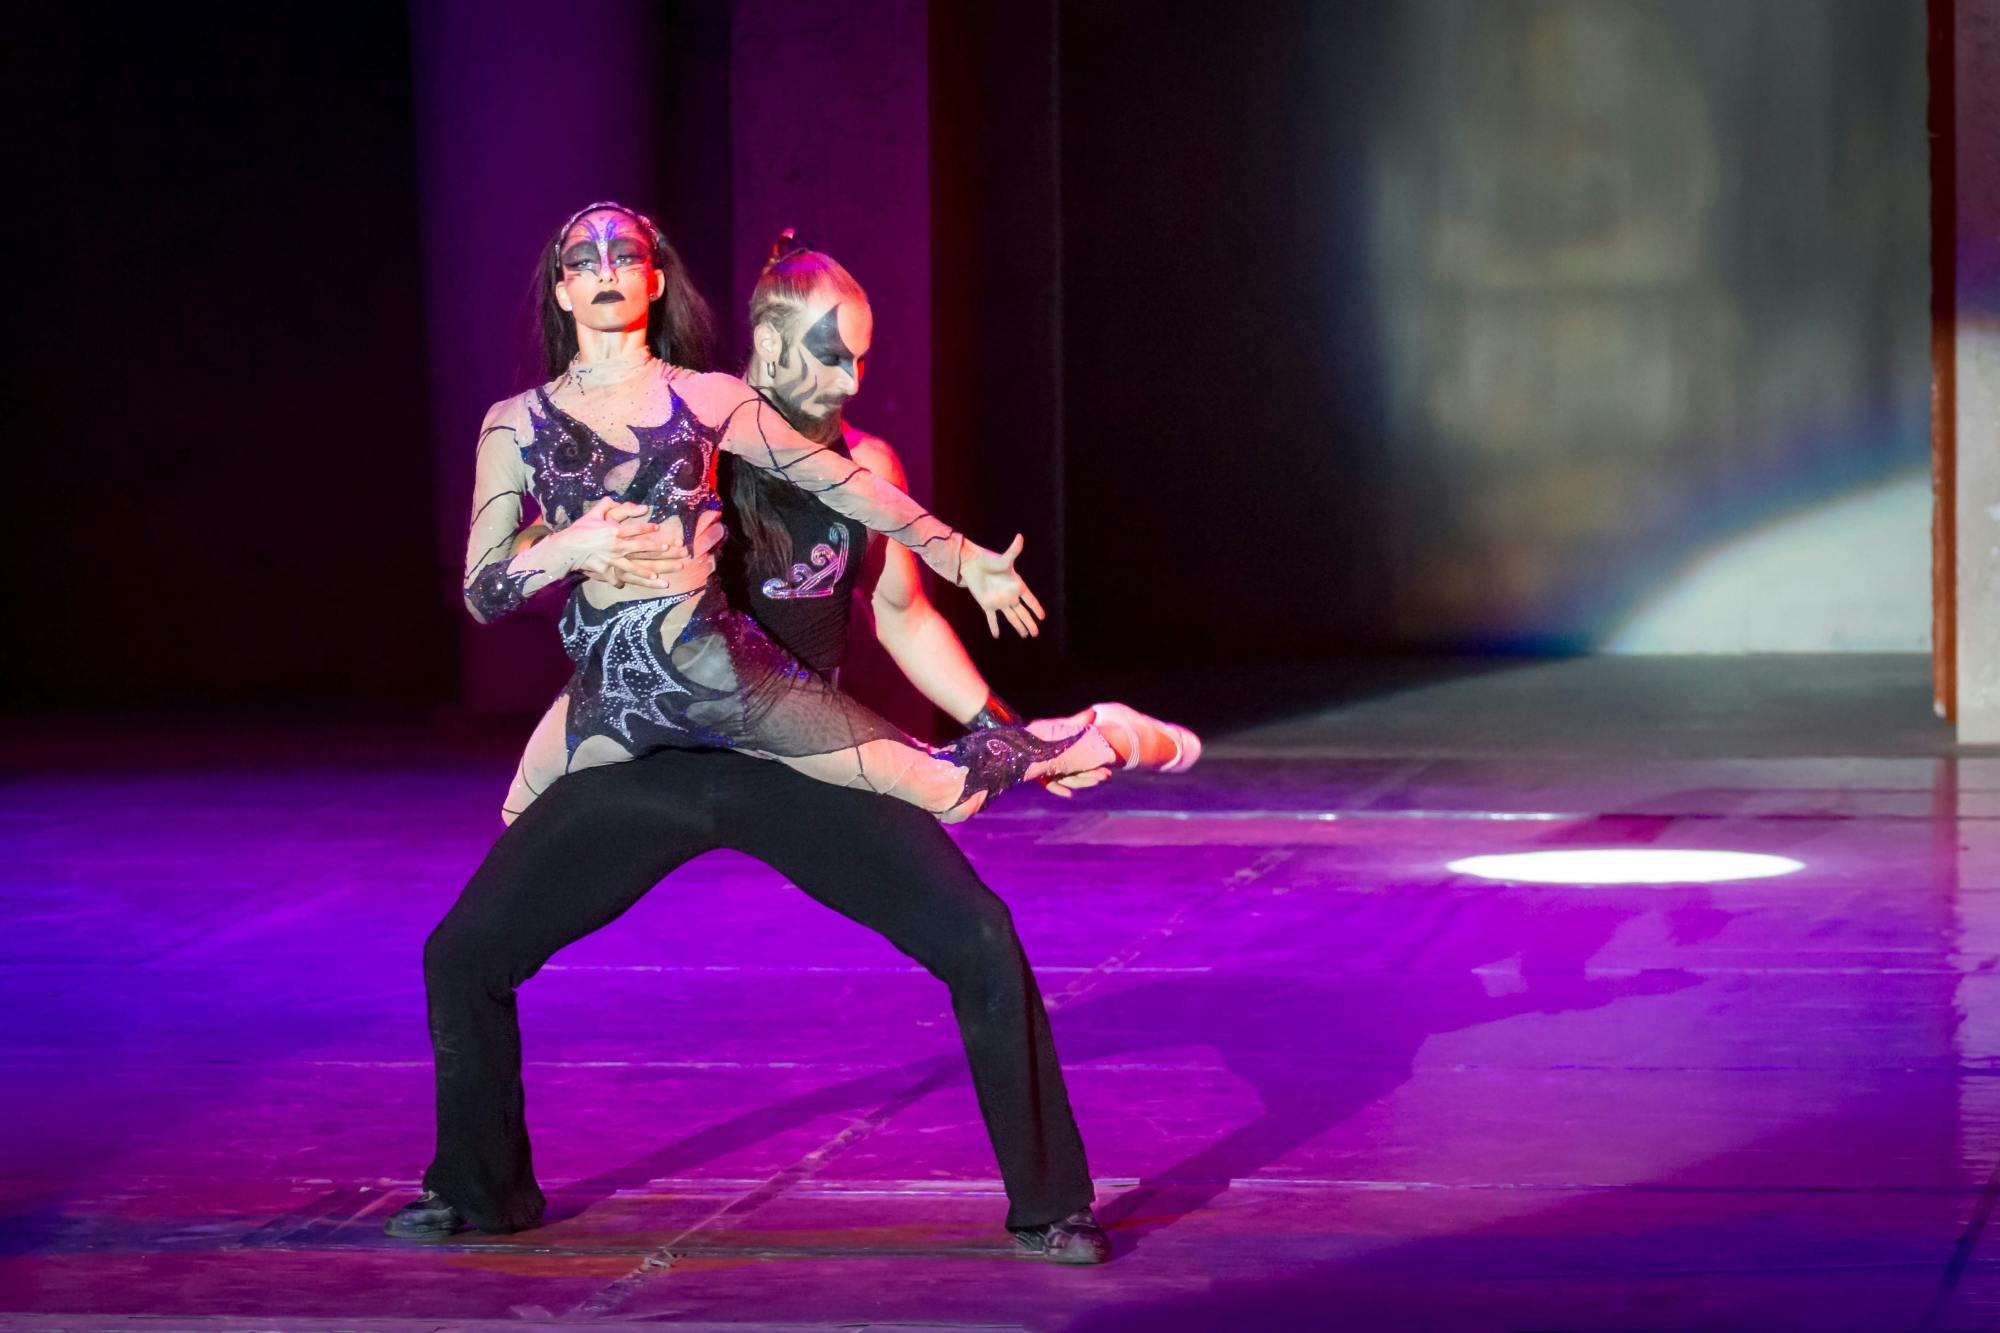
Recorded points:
(1142, 733)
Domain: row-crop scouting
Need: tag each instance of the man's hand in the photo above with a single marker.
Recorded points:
(1069, 784)
(989, 576)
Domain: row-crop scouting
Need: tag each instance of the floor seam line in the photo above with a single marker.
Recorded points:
(661, 1258)
(1116, 962)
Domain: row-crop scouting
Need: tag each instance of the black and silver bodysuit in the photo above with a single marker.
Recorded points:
(716, 680)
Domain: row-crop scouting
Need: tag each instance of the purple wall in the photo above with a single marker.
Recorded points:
(728, 121)
(515, 129)
(830, 110)
(830, 121)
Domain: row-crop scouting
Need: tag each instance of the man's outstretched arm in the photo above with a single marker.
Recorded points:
(928, 651)
(915, 633)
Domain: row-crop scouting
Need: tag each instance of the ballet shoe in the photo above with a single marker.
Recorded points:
(1162, 747)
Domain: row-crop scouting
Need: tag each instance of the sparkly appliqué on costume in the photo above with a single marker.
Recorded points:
(581, 626)
(568, 461)
(999, 757)
(495, 590)
(677, 474)
(673, 467)
(623, 688)
(818, 579)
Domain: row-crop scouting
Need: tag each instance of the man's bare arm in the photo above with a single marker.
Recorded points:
(750, 428)
(915, 633)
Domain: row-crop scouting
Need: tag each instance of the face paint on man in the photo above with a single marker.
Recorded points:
(608, 278)
(834, 357)
(824, 342)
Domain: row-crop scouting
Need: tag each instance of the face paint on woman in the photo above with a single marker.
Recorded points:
(607, 271)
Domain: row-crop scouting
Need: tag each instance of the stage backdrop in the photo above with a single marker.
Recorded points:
(1469, 324)
(220, 417)
(1290, 329)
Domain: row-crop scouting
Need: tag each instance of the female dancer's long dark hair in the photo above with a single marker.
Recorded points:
(680, 328)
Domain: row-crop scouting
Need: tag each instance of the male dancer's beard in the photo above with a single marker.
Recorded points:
(823, 429)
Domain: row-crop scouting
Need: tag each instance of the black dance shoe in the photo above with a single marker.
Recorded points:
(429, 1218)
(1077, 1239)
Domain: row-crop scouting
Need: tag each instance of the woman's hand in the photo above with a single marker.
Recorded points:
(989, 576)
(1069, 784)
(613, 542)
(660, 557)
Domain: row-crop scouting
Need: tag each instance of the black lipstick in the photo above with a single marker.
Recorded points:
(607, 298)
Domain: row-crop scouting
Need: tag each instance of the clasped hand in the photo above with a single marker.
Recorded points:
(615, 543)
(989, 576)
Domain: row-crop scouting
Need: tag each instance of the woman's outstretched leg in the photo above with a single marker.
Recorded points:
(899, 874)
(572, 866)
(699, 674)
(954, 782)
(732, 682)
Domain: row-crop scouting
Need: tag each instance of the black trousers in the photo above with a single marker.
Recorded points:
(598, 840)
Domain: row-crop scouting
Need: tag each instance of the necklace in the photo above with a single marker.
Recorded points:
(603, 374)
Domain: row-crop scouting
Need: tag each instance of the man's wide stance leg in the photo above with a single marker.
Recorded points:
(572, 864)
(890, 867)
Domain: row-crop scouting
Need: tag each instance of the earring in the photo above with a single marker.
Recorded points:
(770, 370)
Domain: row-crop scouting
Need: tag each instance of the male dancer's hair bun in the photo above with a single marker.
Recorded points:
(785, 246)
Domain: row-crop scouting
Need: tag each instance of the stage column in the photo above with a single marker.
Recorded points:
(1973, 399)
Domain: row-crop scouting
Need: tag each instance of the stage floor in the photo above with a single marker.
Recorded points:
(1326, 1082)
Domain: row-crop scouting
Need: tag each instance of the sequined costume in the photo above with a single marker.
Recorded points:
(686, 669)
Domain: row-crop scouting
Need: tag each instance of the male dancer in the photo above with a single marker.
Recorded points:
(600, 839)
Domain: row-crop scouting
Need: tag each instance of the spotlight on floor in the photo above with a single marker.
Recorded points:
(1642, 865)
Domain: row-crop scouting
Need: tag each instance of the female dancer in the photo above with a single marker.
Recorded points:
(674, 665)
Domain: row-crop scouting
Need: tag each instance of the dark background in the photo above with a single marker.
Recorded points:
(221, 418)
(1287, 332)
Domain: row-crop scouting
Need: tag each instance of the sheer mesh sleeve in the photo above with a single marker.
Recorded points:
(497, 582)
(756, 433)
